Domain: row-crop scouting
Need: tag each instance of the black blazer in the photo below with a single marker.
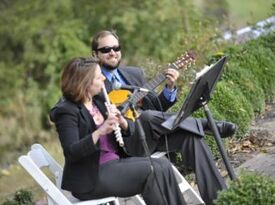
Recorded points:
(75, 125)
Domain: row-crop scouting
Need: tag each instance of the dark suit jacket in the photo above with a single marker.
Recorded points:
(75, 125)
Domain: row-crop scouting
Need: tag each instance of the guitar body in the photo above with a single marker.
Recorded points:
(118, 97)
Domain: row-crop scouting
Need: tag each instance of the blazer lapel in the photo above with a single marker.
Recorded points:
(87, 118)
(100, 103)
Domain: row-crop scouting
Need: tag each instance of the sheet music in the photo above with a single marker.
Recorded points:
(203, 71)
(199, 93)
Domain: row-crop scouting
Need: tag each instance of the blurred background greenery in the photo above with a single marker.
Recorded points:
(37, 37)
(238, 13)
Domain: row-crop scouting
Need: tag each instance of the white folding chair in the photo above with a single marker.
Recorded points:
(190, 195)
(38, 158)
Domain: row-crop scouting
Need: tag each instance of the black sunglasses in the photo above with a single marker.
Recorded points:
(108, 49)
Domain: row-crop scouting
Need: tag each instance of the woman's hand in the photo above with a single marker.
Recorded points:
(109, 124)
(120, 119)
(106, 128)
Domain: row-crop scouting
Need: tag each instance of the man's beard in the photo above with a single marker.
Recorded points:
(110, 67)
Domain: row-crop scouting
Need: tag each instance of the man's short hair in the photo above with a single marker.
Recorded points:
(101, 34)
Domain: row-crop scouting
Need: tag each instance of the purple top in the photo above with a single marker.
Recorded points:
(108, 149)
(108, 145)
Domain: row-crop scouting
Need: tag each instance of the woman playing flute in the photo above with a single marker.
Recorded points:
(95, 165)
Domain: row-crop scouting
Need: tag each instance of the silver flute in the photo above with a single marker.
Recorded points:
(117, 129)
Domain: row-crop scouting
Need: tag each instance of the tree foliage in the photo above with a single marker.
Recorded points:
(38, 37)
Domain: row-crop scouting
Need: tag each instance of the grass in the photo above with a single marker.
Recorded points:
(15, 177)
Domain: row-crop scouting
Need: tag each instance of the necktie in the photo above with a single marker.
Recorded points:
(114, 79)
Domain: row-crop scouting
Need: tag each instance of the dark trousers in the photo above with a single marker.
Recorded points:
(130, 176)
(194, 150)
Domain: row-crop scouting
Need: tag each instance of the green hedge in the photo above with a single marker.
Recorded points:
(257, 59)
(244, 79)
(233, 105)
(248, 82)
(249, 188)
(250, 73)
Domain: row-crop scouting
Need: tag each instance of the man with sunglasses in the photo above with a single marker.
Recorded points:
(187, 139)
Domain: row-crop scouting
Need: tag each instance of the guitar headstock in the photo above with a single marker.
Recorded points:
(184, 61)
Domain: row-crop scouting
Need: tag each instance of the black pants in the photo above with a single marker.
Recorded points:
(130, 176)
(194, 150)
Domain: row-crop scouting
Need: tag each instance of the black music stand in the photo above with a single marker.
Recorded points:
(198, 97)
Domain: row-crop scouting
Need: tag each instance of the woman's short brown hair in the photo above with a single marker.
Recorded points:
(77, 77)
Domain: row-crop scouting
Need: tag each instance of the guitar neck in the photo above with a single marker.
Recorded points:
(181, 62)
(151, 85)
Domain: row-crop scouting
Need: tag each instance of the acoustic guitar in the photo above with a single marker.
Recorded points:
(120, 97)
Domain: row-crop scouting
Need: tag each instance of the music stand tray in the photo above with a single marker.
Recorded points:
(199, 93)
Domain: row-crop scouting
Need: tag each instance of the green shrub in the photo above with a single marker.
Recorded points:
(233, 105)
(242, 78)
(249, 188)
(21, 197)
(258, 58)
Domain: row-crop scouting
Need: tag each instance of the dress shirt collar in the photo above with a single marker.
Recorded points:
(109, 74)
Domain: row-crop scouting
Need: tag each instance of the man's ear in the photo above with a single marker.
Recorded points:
(94, 53)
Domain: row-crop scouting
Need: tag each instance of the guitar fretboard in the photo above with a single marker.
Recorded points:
(183, 61)
(151, 85)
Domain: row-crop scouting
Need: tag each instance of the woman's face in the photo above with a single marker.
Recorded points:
(98, 82)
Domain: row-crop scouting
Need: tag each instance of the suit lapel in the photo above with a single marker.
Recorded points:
(126, 76)
(108, 85)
